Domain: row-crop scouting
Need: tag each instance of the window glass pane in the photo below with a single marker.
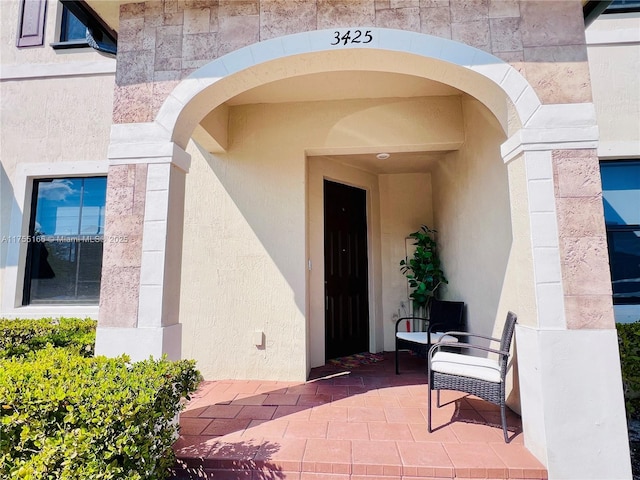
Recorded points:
(92, 217)
(621, 192)
(53, 268)
(71, 28)
(624, 254)
(65, 257)
(89, 270)
(58, 206)
(623, 5)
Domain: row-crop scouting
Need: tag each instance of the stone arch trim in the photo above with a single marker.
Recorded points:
(469, 69)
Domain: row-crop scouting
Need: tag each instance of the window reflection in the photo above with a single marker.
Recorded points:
(64, 259)
(621, 198)
(71, 28)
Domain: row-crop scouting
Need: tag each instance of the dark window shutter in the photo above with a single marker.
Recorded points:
(31, 28)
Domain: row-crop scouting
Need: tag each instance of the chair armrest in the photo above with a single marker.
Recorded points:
(410, 318)
(475, 335)
(464, 345)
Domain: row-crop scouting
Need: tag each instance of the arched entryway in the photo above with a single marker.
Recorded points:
(424, 122)
(229, 136)
(417, 126)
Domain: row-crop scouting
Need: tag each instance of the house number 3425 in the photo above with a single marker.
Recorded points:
(346, 37)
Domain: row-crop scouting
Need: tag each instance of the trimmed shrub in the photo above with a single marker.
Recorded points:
(18, 337)
(66, 417)
(629, 343)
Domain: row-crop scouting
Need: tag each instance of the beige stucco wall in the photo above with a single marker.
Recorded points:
(481, 214)
(243, 261)
(56, 119)
(253, 219)
(614, 62)
(56, 108)
(9, 12)
(246, 246)
(617, 94)
(405, 204)
(472, 216)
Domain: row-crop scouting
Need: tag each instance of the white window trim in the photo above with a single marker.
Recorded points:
(14, 272)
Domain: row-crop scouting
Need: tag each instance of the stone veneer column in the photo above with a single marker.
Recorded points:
(125, 203)
(583, 239)
(569, 370)
(140, 294)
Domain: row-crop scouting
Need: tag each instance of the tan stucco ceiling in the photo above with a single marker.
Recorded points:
(109, 10)
(336, 86)
(329, 86)
(342, 86)
(400, 162)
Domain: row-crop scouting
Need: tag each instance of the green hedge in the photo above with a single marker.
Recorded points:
(66, 417)
(18, 337)
(629, 342)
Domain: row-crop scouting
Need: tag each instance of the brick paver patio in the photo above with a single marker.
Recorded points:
(363, 423)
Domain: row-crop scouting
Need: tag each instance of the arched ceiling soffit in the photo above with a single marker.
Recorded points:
(472, 71)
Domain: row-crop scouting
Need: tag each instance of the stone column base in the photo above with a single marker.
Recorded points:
(573, 413)
(140, 343)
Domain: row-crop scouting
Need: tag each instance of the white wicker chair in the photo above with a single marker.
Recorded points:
(479, 376)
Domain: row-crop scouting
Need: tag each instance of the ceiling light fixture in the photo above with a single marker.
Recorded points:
(382, 156)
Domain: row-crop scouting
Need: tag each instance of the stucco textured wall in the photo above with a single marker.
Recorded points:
(49, 115)
(254, 215)
(244, 252)
(614, 63)
(56, 120)
(405, 204)
(9, 11)
(473, 219)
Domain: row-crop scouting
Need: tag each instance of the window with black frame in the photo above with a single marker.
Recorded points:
(80, 27)
(621, 196)
(71, 28)
(66, 234)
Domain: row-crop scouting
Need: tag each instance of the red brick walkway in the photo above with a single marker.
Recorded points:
(366, 423)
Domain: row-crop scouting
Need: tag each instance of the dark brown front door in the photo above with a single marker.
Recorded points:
(345, 270)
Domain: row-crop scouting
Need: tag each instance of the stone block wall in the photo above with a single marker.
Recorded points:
(163, 41)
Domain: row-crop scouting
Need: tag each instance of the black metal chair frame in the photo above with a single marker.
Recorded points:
(493, 392)
(443, 314)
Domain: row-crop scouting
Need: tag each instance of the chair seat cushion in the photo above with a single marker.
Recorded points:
(466, 366)
(421, 337)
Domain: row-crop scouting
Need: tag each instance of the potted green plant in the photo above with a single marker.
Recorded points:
(423, 270)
